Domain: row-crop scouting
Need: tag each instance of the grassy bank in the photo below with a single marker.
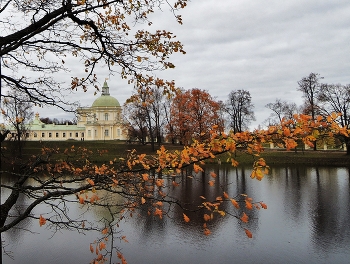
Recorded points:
(118, 149)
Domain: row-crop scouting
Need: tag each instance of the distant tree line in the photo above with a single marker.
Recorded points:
(47, 120)
(320, 101)
(182, 116)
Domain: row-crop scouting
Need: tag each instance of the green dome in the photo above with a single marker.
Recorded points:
(105, 99)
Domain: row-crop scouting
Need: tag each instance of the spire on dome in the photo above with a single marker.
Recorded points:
(105, 88)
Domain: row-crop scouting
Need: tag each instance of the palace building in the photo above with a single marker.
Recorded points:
(102, 121)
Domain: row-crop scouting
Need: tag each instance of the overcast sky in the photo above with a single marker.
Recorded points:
(264, 47)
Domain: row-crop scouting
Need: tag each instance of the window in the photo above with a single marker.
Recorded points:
(27, 135)
(89, 133)
(35, 134)
(118, 132)
(82, 134)
(76, 134)
(43, 134)
(70, 134)
(106, 132)
(50, 134)
(63, 134)
(106, 116)
(56, 134)
(95, 133)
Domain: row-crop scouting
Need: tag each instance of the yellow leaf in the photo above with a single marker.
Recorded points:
(222, 213)
(143, 200)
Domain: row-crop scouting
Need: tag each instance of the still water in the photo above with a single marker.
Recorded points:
(307, 221)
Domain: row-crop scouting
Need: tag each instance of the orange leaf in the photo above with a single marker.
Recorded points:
(104, 231)
(206, 232)
(91, 248)
(143, 200)
(206, 217)
(81, 200)
(248, 233)
(42, 220)
(225, 195)
(91, 182)
(158, 212)
(286, 132)
(145, 177)
(244, 218)
(159, 182)
(248, 205)
(186, 218)
(235, 204)
(213, 174)
(102, 245)
(263, 205)
(159, 203)
(211, 183)
(175, 184)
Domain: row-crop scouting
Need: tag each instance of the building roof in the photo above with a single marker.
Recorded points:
(105, 100)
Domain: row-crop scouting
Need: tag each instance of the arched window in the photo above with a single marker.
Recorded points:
(106, 116)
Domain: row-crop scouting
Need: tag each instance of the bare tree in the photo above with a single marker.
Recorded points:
(239, 108)
(310, 87)
(281, 109)
(335, 98)
(40, 39)
(17, 113)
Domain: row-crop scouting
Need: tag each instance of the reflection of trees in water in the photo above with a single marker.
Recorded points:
(189, 195)
(295, 181)
(330, 209)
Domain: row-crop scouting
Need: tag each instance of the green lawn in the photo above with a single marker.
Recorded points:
(118, 149)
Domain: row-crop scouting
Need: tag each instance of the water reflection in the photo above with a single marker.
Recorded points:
(307, 221)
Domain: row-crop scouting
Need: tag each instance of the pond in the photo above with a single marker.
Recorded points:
(307, 221)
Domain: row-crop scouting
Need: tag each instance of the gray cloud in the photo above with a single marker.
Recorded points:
(261, 46)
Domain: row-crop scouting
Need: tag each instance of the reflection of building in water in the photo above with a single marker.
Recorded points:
(101, 121)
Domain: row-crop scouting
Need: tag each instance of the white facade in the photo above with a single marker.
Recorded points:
(102, 121)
